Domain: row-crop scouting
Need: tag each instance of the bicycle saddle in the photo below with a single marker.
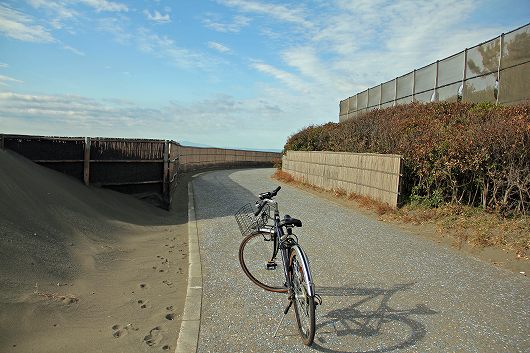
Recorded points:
(289, 221)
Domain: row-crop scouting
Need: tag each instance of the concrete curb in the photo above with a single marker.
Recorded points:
(191, 319)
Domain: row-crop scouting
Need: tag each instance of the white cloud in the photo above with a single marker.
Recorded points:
(224, 116)
(152, 43)
(73, 50)
(284, 13)
(57, 8)
(212, 21)
(116, 27)
(157, 17)
(3, 65)
(18, 25)
(291, 80)
(69, 110)
(5, 80)
(355, 45)
(219, 47)
(105, 6)
(166, 48)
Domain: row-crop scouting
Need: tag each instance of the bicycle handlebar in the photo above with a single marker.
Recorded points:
(266, 196)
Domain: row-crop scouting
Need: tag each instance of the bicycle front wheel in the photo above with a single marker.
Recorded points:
(304, 302)
(254, 253)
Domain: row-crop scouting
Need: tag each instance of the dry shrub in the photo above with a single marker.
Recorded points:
(277, 163)
(460, 153)
(283, 176)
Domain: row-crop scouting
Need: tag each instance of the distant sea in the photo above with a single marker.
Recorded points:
(193, 144)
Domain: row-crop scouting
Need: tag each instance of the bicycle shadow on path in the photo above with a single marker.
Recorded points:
(367, 323)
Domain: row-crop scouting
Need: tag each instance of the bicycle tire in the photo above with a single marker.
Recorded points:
(254, 252)
(304, 302)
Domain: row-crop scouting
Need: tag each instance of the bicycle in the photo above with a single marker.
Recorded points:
(262, 240)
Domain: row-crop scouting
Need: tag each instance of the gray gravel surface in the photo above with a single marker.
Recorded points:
(383, 290)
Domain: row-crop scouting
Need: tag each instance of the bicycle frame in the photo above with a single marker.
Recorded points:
(286, 243)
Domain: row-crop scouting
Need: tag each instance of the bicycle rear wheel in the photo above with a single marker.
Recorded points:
(304, 302)
(254, 253)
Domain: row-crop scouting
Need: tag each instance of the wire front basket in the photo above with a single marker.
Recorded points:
(249, 223)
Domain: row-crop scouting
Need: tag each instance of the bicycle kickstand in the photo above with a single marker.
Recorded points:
(285, 311)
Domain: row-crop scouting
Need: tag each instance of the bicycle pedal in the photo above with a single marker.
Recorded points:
(318, 299)
(271, 265)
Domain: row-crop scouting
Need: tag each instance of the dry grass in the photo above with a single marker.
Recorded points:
(471, 225)
(466, 224)
(283, 176)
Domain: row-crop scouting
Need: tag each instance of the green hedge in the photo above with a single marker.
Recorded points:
(470, 154)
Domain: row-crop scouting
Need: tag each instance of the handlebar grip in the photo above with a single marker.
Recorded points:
(260, 207)
(276, 190)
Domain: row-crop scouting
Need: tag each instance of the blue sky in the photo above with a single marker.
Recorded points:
(226, 73)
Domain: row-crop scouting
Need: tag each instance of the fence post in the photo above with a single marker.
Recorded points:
(437, 75)
(1, 141)
(165, 183)
(395, 91)
(347, 109)
(86, 162)
(413, 84)
(464, 76)
(356, 107)
(498, 83)
(380, 94)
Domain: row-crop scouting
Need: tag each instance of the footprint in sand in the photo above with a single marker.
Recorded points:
(170, 316)
(144, 304)
(167, 283)
(154, 337)
(119, 331)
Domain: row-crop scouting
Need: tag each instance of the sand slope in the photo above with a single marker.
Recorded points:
(85, 269)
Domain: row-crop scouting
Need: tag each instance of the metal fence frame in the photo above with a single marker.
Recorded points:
(498, 79)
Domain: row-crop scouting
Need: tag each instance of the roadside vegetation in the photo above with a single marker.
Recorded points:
(466, 166)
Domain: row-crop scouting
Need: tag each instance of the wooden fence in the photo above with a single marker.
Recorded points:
(374, 175)
(193, 158)
(136, 166)
(139, 166)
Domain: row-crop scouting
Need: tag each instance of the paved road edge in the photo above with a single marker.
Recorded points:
(191, 319)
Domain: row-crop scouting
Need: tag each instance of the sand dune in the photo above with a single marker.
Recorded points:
(84, 269)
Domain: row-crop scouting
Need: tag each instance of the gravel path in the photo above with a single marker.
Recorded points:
(383, 290)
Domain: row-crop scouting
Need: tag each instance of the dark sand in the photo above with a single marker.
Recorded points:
(84, 269)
